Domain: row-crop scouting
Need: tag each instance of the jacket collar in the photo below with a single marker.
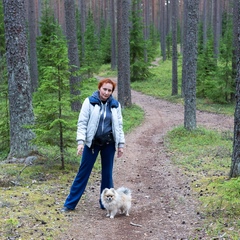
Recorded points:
(95, 99)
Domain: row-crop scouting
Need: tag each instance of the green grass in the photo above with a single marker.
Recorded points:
(106, 71)
(160, 86)
(29, 208)
(132, 117)
(205, 156)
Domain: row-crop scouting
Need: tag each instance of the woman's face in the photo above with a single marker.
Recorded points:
(105, 91)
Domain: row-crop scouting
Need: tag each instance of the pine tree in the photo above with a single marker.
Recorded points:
(4, 110)
(139, 68)
(105, 44)
(206, 69)
(4, 104)
(92, 54)
(52, 101)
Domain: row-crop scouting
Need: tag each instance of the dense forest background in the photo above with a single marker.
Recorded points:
(49, 49)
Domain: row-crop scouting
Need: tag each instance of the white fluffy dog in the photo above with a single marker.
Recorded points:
(115, 200)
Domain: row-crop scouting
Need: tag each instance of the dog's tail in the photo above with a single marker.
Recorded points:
(125, 190)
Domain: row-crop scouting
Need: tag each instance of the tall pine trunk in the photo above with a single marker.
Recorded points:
(32, 45)
(235, 166)
(73, 54)
(113, 36)
(190, 65)
(174, 48)
(20, 99)
(124, 90)
(163, 29)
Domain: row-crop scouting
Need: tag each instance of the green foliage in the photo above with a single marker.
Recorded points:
(139, 68)
(225, 66)
(4, 110)
(92, 55)
(89, 85)
(214, 76)
(205, 156)
(54, 119)
(206, 70)
(105, 44)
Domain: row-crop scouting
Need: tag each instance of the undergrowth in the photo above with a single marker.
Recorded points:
(205, 155)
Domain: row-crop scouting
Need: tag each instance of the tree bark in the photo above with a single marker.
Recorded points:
(174, 48)
(83, 27)
(124, 90)
(163, 29)
(235, 166)
(184, 45)
(32, 44)
(205, 10)
(113, 36)
(73, 53)
(20, 99)
(191, 65)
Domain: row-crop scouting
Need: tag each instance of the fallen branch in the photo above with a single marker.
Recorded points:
(20, 172)
(135, 224)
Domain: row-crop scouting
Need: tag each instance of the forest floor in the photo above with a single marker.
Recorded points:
(164, 205)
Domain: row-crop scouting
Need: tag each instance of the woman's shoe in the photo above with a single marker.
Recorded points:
(65, 209)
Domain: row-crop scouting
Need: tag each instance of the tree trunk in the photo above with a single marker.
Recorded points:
(73, 54)
(174, 48)
(217, 26)
(146, 20)
(191, 65)
(184, 45)
(235, 38)
(163, 29)
(113, 36)
(20, 99)
(32, 20)
(235, 166)
(205, 23)
(83, 27)
(124, 90)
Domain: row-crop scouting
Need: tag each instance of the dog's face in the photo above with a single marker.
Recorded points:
(109, 194)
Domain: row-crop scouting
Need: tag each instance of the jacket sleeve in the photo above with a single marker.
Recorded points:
(120, 122)
(83, 121)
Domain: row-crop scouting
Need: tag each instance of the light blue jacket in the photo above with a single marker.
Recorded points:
(89, 119)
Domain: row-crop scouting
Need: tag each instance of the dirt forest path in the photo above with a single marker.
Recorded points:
(163, 206)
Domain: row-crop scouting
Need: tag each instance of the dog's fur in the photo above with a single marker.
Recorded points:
(115, 200)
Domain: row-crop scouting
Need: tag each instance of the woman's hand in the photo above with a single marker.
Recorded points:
(120, 152)
(80, 149)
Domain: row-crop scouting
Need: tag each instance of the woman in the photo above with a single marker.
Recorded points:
(99, 129)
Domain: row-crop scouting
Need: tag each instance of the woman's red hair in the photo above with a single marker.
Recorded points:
(107, 80)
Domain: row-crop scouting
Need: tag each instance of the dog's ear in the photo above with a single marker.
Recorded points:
(113, 190)
(104, 190)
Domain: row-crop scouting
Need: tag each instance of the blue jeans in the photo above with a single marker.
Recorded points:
(89, 157)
